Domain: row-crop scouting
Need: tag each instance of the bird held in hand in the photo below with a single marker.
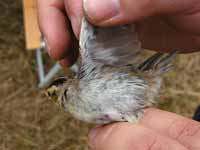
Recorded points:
(111, 85)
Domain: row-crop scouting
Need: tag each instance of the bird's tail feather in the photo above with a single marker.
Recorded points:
(159, 63)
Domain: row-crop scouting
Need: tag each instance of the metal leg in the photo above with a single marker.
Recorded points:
(40, 64)
(44, 79)
(50, 75)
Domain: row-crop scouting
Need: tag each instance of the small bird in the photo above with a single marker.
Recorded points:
(112, 84)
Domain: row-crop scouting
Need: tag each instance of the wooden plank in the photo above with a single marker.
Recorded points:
(29, 3)
(32, 32)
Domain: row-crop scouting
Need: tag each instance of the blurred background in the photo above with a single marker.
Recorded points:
(28, 121)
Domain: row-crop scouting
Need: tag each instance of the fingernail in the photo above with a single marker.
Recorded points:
(101, 10)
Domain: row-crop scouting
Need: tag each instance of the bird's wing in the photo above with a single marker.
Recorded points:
(113, 46)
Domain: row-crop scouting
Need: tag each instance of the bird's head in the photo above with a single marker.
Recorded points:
(54, 89)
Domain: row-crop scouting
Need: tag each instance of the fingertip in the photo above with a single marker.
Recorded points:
(57, 36)
(56, 49)
(70, 59)
(67, 62)
(55, 30)
(64, 63)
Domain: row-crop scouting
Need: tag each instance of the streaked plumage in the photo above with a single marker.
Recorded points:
(111, 84)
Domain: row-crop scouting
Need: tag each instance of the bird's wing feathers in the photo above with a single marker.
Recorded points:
(114, 46)
(109, 45)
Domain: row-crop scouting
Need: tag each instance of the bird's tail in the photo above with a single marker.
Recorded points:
(159, 63)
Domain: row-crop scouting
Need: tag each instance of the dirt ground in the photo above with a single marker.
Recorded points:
(28, 121)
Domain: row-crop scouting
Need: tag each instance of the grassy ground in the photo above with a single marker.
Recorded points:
(28, 121)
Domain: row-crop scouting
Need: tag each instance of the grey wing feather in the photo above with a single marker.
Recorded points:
(115, 46)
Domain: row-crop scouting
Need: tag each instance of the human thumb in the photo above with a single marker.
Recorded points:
(112, 12)
(118, 12)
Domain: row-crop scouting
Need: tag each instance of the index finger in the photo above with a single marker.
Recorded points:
(54, 27)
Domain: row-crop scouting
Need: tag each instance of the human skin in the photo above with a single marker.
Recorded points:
(157, 130)
(161, 25)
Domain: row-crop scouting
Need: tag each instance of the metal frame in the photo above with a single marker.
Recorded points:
(44, 79)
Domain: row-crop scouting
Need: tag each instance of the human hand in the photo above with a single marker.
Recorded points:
(156, 130)
(161, 25)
